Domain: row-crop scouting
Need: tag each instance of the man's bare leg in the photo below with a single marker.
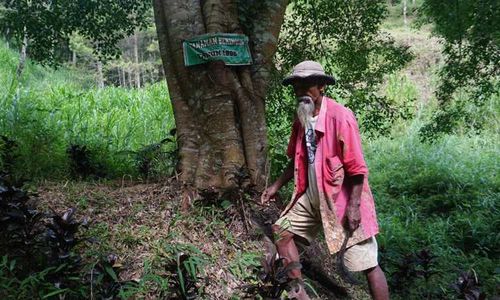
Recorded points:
(289, 252)
(377, 283)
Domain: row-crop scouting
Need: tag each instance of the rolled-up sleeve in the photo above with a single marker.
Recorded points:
(350, 146)
(290, 151)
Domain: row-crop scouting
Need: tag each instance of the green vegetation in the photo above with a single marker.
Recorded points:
(52, 118)
(470, 32)
(437, 202)
(47, 25)
(441, 198)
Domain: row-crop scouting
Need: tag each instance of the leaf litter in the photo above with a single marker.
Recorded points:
(142, 222)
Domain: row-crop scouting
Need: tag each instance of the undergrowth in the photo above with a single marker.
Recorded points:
(39, 254)
(61, 128)
(440, 200)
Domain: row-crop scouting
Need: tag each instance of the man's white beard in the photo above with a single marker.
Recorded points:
(305, 110)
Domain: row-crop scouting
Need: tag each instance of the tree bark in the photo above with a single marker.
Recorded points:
(124, 77)
(130, 80)
(7, 37)
(219, 110)
(22, 57)
(137, 70)
(404, 12)
(21, 64)
(100, 76)
(119, 76)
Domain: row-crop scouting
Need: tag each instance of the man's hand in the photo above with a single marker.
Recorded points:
(268, 194)
(353, 217)
(271, 191)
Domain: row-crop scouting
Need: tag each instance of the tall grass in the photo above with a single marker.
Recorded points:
(46, 111)
(442, 197)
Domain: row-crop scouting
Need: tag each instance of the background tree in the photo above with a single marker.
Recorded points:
(82, 51)
(47, 24)
(351, 46)
(471, 33)
(219, 110)
(143, 65)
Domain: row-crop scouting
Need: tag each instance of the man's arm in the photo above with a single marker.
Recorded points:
(353, 213)
(271, 191)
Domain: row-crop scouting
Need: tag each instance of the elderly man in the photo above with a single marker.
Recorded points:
(331, 185)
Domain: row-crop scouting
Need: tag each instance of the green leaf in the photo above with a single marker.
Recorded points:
(12, 265)
(111, 273)
(56, 292)
(181, 280)
(225, 204)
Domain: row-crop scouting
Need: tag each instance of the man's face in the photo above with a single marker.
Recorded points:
(308, 92)
(308, 87)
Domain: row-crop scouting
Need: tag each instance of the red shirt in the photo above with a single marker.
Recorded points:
(338, 152)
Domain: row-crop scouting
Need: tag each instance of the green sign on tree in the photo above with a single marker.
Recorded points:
(230, 48)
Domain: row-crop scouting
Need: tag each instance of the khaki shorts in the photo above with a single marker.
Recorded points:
(304, 220)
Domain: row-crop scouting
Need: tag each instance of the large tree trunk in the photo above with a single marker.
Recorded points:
(219, 110)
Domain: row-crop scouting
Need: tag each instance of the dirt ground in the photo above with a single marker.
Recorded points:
(143, 225)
